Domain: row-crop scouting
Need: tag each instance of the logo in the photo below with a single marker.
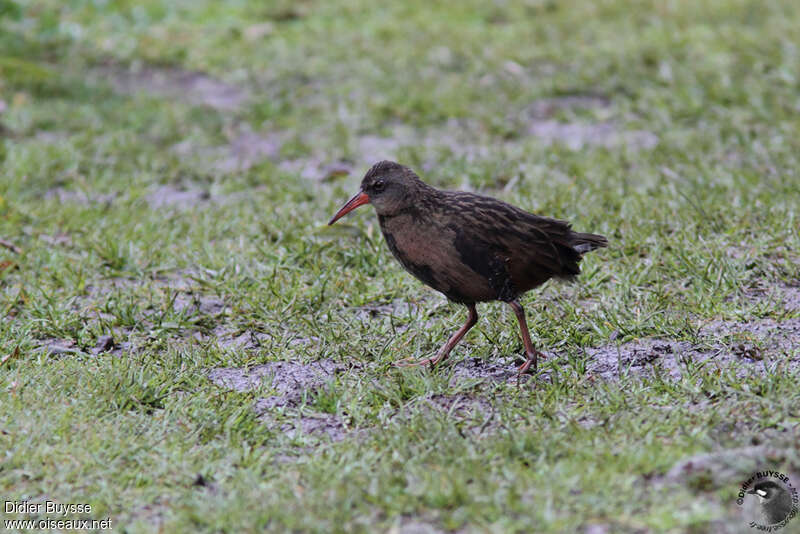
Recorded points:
(768, 500)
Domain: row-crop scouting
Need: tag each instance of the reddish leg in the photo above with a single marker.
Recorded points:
(472, 319)
(530, 352)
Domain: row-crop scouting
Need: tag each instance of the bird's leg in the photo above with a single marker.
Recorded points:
(472, 319)
(531, 353)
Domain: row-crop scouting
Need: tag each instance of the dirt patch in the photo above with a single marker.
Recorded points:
(746, 347)
(787, 296)
(227, 337)
(190, 196)
(760, 340)
(244, 149)
(783, 295)
(646, 356)
(65, 196)
(58, 347)
(311, 168)
(577, 135)
(291, 380)
(375, 148)
(495, 369)
(51, 137)
(100, 288)
(247, 149)
(170, 195)
(545, 108)
(312, 423)
(121, 348)
(415, 526)
(177, 196)
(461, 138)
(258, 31)
(464, 138)
(295, 384)
(197, 303)
(368, 148)
(181, 279)
(105, 344)
(235, 339)
(396, 308)
(196, 87)
(317, 169)
(791, 298)
(723, 343)
(57, 239)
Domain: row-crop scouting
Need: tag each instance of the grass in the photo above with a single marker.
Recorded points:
(698, 225)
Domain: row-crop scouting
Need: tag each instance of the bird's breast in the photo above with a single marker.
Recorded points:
(427, 249)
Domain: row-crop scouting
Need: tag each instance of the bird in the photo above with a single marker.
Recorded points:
(775, 500)
(470, 247)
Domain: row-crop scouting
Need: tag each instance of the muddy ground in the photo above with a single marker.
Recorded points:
(757, 347)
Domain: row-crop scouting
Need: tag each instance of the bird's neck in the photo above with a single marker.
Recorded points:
(420, 203)
(409, 214)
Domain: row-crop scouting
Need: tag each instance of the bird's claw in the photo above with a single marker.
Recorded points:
(522, 369)
(410, 362)
(530, 362)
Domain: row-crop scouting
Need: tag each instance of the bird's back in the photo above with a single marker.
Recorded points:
(532, 248)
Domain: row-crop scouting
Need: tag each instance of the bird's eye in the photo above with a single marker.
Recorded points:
(379, 186)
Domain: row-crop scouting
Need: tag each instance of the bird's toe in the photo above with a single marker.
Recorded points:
(411, 362)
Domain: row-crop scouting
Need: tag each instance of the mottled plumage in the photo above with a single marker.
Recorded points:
(470, 247)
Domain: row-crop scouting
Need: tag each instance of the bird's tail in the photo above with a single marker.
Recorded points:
(583, 243)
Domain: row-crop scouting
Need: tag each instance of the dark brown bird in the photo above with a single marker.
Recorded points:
(470, 247)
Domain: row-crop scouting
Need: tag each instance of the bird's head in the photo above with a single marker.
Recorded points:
(766, 490)
(388, 186)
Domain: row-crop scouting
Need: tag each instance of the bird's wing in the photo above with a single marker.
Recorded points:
(526, 241)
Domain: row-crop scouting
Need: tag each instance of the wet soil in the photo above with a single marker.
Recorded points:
(246, 148)
(578, 135)
(295, 385)
(197, 87)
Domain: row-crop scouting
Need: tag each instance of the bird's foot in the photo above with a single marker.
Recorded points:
(530, 362)
(410, 362)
